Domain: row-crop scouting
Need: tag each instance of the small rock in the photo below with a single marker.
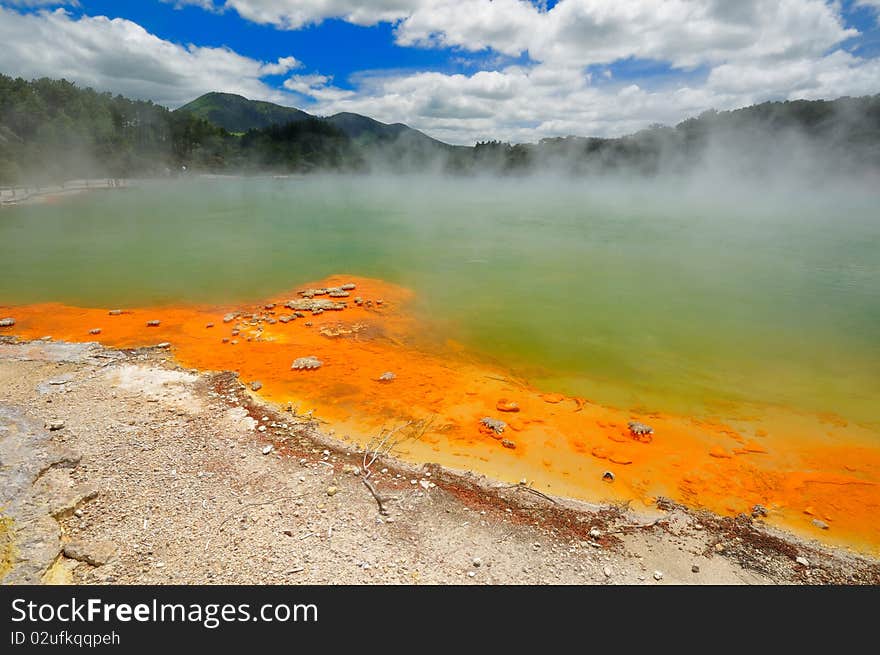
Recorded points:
(493, 425)
(478, 562)
(507, 443)
(637, 429)
(7, 322)
(78, 513)
(595, 533)
(608, 476)
(95, 553)
(268, 449)
(819, 524)
(209, 325)
(56, 425)
(471, 574)
(803, 561)
(695, 568)
(228, 318)
(256, 385)
(759, 510)
(719, 548)
(306, 363)
(115, 312)
(607, 571)
(164, 344)
(331, 491)
(95, 331)
(387, 376)
(658, 575)
(153, 323)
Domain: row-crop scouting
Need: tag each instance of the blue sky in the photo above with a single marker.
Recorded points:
(460, 70)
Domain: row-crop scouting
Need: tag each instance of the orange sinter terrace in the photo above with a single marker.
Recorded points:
(349, 350)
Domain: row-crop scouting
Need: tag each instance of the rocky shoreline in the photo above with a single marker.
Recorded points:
(119, 467)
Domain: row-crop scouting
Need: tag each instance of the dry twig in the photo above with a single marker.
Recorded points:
(381, 446)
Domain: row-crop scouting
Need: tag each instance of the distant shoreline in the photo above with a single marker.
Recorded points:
(30, 194)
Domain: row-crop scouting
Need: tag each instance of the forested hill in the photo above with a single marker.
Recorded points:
(238, 114)
(52, 130)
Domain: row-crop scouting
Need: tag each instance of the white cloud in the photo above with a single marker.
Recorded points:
(686, 33)
(120, 56)
(316, 86)
(282, 66)
(293, 14)
(39, 3)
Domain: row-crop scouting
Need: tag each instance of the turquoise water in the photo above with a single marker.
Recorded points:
(668, 296)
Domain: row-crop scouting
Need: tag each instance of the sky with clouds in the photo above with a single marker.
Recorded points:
(459, 70)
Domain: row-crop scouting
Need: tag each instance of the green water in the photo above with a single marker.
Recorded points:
(667, 296)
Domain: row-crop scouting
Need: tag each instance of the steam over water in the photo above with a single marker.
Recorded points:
(671, 297)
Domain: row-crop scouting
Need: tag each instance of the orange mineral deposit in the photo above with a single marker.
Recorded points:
(801, 461)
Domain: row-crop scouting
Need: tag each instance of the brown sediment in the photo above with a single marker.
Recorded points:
(787, 462)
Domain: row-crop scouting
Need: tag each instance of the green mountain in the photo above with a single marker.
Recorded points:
(366, 130)
(236, 113)
(239, 114)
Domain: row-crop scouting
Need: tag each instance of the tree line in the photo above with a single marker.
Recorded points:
(53, 130)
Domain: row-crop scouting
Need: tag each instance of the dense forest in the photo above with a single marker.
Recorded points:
(52, 130)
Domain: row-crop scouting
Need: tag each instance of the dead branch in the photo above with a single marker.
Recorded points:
(379, 500)
(382, 445)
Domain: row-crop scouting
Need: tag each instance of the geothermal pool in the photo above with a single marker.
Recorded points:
(710, 311)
